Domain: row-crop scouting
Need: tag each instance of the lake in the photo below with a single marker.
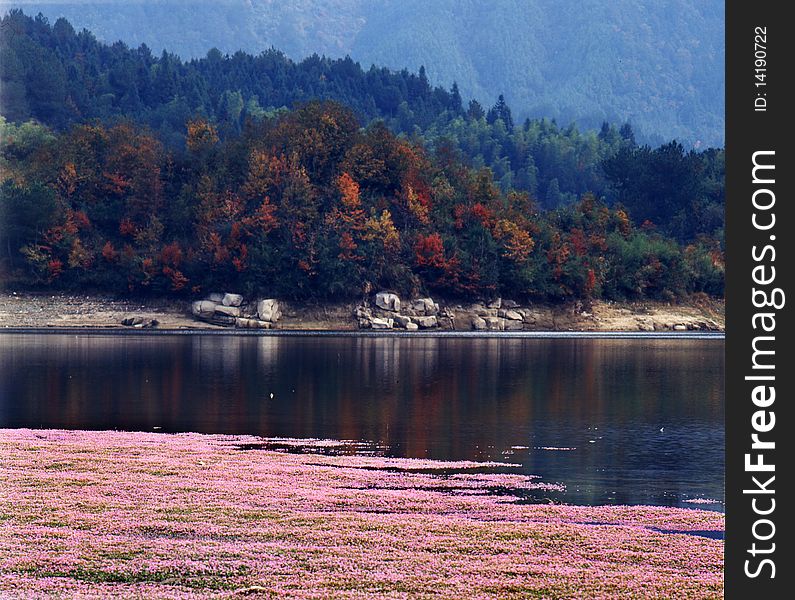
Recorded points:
(627, 421)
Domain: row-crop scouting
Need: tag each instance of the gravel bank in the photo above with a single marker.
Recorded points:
(92, 311)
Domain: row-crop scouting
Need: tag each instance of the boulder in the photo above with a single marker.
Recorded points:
(412, 326)
(269, 310)
(387, 301)
(232, 300)
(402, 320)
(446, 322)
(479, 324)
(246, 323)
(497, 303)
(510, 304)
(425, 306)
(362, 312)
(216, 297)
(230, 311)
(679, 327)
(203, 308)
(132, 321)
(512, 325)
(494, 323)
(512, 315)
(376, 323)
(645, 325)
(426, 322)
(220, 319)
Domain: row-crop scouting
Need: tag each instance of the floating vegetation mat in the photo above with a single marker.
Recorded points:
(127, 515)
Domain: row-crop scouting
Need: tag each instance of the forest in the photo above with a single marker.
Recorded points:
(123, 171)
(658, 65)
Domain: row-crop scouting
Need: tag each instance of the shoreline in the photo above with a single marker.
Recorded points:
(125, 514)
(39, 313)
(602, 335)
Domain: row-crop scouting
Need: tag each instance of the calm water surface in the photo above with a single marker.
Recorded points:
(615, 421)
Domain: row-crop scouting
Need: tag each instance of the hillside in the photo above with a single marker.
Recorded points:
(317, 179)
(657, 65)
(309, 205)
(59, 77)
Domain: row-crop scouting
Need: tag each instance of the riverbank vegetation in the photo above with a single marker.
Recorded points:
(147, 175)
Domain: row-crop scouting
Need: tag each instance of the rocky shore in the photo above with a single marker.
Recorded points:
(382, 311)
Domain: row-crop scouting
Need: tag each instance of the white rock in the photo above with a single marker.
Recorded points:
(132, 321)
(387, 301)
(645, 325)
(362, 312)
(216, 297)
(377, 323)
(412, 327)
(426, 322)
(425, 306)
(203, 308)
(494, 323)
(478, 324)
(232, 300)
(230, 311)
(269, 310)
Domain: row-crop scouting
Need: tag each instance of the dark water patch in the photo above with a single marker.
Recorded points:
(712, 534)
(706, 533)
(644, 417)
(296, 447)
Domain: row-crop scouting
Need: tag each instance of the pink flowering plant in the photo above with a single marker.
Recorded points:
(128, 515)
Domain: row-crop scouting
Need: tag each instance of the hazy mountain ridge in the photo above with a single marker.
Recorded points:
(658, 65)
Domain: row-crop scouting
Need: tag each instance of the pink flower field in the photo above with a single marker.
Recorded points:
(144, 515)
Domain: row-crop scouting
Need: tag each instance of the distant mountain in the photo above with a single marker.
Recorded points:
(656, 64)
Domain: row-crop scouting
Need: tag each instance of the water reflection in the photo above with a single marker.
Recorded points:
(645, 416)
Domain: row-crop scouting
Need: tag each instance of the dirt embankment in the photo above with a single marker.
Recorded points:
(27, 310)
